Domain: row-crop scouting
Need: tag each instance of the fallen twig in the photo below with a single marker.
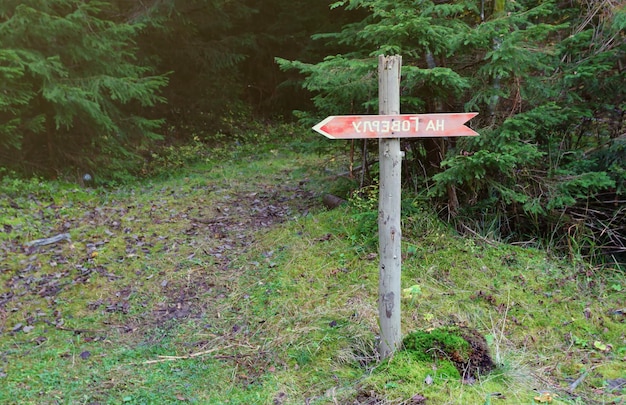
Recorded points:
(49, 241)
(476, 234)
(162, 359)
(579, 380)
(576, 383)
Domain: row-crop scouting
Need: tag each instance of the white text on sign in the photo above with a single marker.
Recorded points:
(395, 125)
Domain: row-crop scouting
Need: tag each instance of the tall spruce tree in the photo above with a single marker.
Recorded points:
(545, 76)
(72, 92)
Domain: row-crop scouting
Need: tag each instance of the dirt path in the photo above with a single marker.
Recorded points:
(159, 253)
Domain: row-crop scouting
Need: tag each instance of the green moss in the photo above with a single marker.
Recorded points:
(407, 368)
(437, 343)
(446, 370)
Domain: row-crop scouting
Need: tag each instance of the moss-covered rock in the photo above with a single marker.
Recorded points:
(464, 347)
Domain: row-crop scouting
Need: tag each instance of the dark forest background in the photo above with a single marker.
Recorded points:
(101, 87)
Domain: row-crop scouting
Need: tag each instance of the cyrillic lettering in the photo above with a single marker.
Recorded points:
(385, 127)
(396, 126)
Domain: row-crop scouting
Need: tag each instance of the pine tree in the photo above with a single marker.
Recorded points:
(71, 89)
(547, 78)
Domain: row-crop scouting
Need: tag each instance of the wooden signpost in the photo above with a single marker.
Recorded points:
(395, 126)
(389, 126)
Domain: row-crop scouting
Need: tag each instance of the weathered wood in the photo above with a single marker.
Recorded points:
(389, 232)
(49, 241)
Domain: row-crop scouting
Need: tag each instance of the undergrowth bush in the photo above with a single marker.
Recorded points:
(174, 157)
(11, 185)
(512, 186)
(417, 217)
(547, 80)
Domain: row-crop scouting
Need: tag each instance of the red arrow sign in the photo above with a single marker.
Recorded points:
(395, 126)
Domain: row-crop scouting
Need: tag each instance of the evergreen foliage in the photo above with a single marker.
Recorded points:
(547, 78)
(72, 91)
(392, 27)
(80, 85)
(84, 84)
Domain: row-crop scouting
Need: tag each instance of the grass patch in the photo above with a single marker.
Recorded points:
(228, 283)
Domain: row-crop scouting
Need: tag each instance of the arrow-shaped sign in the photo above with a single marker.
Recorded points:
(396, 126)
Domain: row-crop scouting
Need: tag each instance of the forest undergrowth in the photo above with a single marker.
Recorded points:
(227, 281)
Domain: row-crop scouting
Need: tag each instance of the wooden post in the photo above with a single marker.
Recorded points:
(389, 232)
(389, 126)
